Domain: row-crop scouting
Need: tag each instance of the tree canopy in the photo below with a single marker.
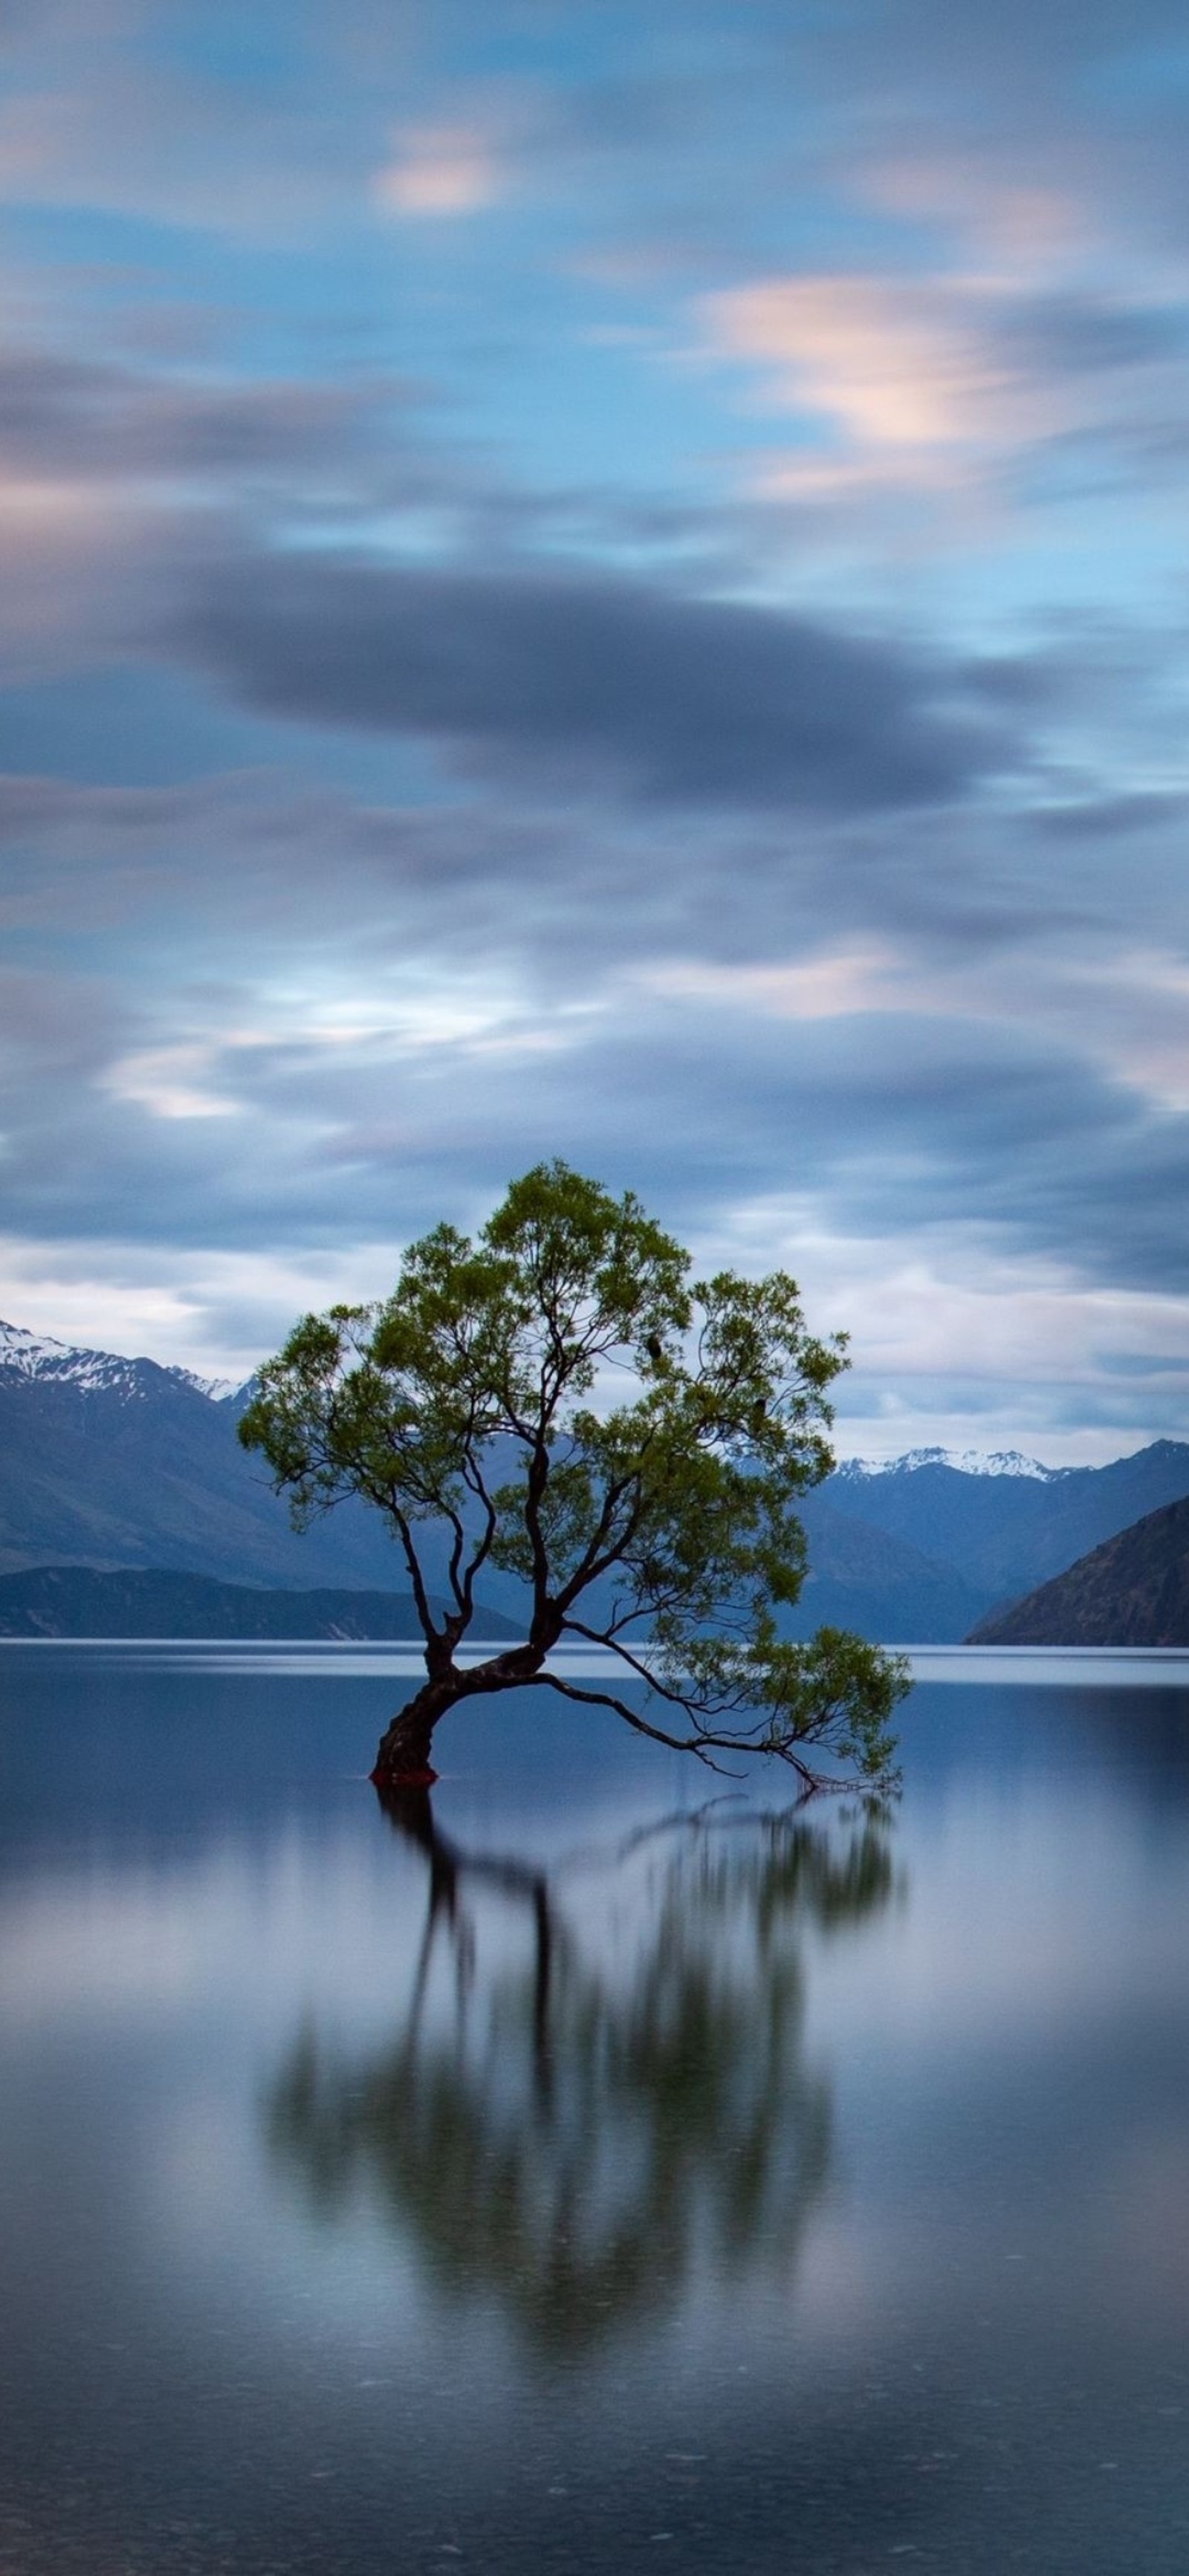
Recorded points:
(567, 1405)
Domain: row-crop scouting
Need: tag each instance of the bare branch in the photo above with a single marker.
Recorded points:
(607, 1699)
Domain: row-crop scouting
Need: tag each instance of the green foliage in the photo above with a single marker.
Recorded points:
(483, 1395)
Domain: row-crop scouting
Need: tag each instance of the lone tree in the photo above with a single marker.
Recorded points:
(657, 1523)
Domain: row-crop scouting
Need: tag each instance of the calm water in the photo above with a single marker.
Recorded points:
(585, 2176)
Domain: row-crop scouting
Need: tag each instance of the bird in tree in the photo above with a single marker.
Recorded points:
(565, 1404)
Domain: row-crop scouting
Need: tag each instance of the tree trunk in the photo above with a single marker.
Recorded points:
(404, 1758)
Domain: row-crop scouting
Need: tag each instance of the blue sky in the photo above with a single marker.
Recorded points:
(608, 582)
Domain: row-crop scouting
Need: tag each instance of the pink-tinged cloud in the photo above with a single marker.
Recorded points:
(439, 170)
(894, 367)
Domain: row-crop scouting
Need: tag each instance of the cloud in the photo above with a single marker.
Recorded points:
(217, 1311)
(114, 478)
(95, 421)
(828, 986)
(439, 170)
(1037, 230)
(167, 1081)
(54, 1028)
(95, 117)
(1135, 1000)
(65, 562)
(895, 366)
(402, 1009)
(945, 382)
(363, 1094)
(595, 679)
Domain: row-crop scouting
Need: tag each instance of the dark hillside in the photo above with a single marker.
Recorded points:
(154, 1475)
(1132, 1591)
(119, 1463)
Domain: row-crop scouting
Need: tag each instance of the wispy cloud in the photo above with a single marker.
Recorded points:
(167, 1080)
(893, 366)
(953, 383)
(440, 171)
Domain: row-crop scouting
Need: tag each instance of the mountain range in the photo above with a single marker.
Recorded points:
(123, 1465)
(1006, 1524)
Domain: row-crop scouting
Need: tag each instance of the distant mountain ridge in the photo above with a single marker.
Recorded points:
(1005, 1532)
(1131, 1591)
(121, 1464)
(112, 1462)
(965, 1462)
(79, 1601)
(37, 1357)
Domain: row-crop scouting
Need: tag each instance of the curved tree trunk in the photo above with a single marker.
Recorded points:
(404, 1758)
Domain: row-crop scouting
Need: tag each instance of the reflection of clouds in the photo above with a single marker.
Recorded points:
(1045, 1908)
(1001, 2208)
(1035, 1920)
(1144, 2253)
(127, 1945)
(1053, 2195)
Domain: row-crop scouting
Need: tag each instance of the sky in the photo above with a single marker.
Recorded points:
(606, 582)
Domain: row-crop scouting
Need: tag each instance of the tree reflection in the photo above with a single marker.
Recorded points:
(575, 2132)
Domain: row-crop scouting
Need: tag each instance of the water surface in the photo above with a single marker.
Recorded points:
(606, 2165)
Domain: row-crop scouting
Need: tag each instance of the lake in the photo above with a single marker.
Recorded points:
(605, 2167)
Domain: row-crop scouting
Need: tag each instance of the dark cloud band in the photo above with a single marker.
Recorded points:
(593, 680)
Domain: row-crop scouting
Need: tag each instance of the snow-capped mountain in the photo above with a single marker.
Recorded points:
(120, 1464)
(965, 1462)
(36, 1356)
(1003, 1521)
(115, 1462)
